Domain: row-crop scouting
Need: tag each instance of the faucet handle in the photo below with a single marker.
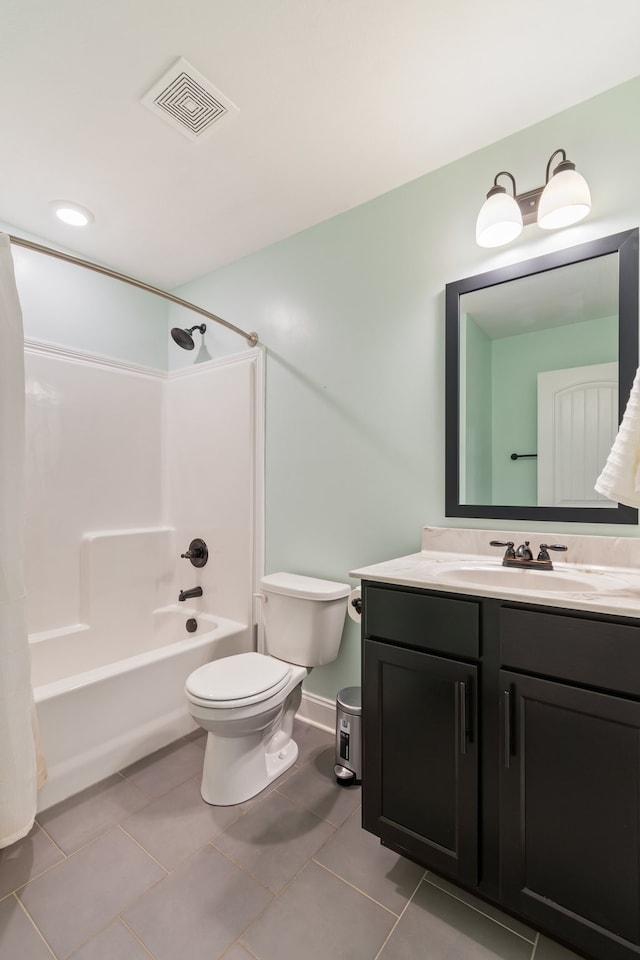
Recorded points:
(545, 547)
(544, 550)
(197, 553)
(509, 552)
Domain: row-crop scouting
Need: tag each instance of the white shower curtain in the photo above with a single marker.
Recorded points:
(18, 764)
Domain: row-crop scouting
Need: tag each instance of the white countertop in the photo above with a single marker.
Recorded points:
(613, 588)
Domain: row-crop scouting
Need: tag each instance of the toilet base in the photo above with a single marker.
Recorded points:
(238, 768)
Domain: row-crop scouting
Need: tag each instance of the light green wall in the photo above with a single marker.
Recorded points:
(351, 313)
(516, 364)
(76, 308)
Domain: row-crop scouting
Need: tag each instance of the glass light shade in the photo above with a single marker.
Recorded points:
(565, 200)
(499, 221)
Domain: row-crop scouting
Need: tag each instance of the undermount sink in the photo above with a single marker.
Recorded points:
(479, 574)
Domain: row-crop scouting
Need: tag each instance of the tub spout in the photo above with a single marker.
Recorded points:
(188, 594)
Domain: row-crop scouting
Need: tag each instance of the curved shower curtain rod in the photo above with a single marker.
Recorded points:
(251, 338)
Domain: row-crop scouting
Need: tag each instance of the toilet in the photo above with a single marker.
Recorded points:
(247, 702)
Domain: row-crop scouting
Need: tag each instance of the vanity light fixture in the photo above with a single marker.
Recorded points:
(563, 200)
(72, 213)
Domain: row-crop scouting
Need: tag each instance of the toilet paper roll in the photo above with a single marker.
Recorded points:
(354, 605)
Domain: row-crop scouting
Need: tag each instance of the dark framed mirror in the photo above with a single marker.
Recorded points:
(540, 360)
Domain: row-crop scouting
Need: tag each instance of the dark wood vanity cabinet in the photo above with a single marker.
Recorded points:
(424, 770)
(570, 811)
(420, 712)
(502, 750)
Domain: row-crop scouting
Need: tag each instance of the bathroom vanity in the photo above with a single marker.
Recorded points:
(501, 732)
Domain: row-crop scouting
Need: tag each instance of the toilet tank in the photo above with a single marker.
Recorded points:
(303, 617)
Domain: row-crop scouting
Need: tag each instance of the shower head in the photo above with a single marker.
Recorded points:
(183, 337)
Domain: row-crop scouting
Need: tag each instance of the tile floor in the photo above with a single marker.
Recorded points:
(140, 867)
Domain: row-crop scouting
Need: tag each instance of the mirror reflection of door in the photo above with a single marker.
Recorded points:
(577, 424)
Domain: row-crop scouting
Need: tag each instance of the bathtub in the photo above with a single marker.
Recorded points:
(97, 716)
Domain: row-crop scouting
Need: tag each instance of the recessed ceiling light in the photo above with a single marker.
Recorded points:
(72, 213)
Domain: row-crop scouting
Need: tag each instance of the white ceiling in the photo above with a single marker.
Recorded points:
(339, 101)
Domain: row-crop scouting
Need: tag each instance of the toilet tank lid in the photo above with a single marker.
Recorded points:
(307, 588)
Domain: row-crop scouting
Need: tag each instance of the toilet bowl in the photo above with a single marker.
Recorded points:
(247, 703)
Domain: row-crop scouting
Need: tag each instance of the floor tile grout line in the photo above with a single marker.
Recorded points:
(143, 893)
(400, 916)
(37, 876)
(244, 947)
(481, 912)
(245, 870)
(21, 886)
(115, 916)
(53, 841)
(276, 896)
(179, 863)
(535, 947)
(148, 799)
(35, 926)
(144, 850)
(83, 846)
(354, 887)
(94, 934)
(301, 806)
(130, 782)
(136, 937)
(241, 866)
(267, 906)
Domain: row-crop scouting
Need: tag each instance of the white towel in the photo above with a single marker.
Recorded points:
(620, 478)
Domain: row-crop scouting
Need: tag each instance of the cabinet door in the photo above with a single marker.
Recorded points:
(570, 844)
(420, 772)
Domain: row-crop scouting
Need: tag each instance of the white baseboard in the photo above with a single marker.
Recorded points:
(317, 712)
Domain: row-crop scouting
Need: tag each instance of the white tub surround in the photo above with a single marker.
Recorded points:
(93, 463)
(130, 647)
(124, 579)
(213, 470)
(125, 466)
(600, 574)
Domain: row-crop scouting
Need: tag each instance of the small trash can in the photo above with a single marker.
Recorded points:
(348, 768)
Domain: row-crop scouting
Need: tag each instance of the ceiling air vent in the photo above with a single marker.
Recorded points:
(186, 100)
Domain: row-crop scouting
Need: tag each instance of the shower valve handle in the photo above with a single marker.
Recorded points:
(197, 553)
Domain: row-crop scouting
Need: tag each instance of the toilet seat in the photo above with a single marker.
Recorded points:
(237, 681)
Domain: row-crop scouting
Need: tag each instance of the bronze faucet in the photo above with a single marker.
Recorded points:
(523, 557)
